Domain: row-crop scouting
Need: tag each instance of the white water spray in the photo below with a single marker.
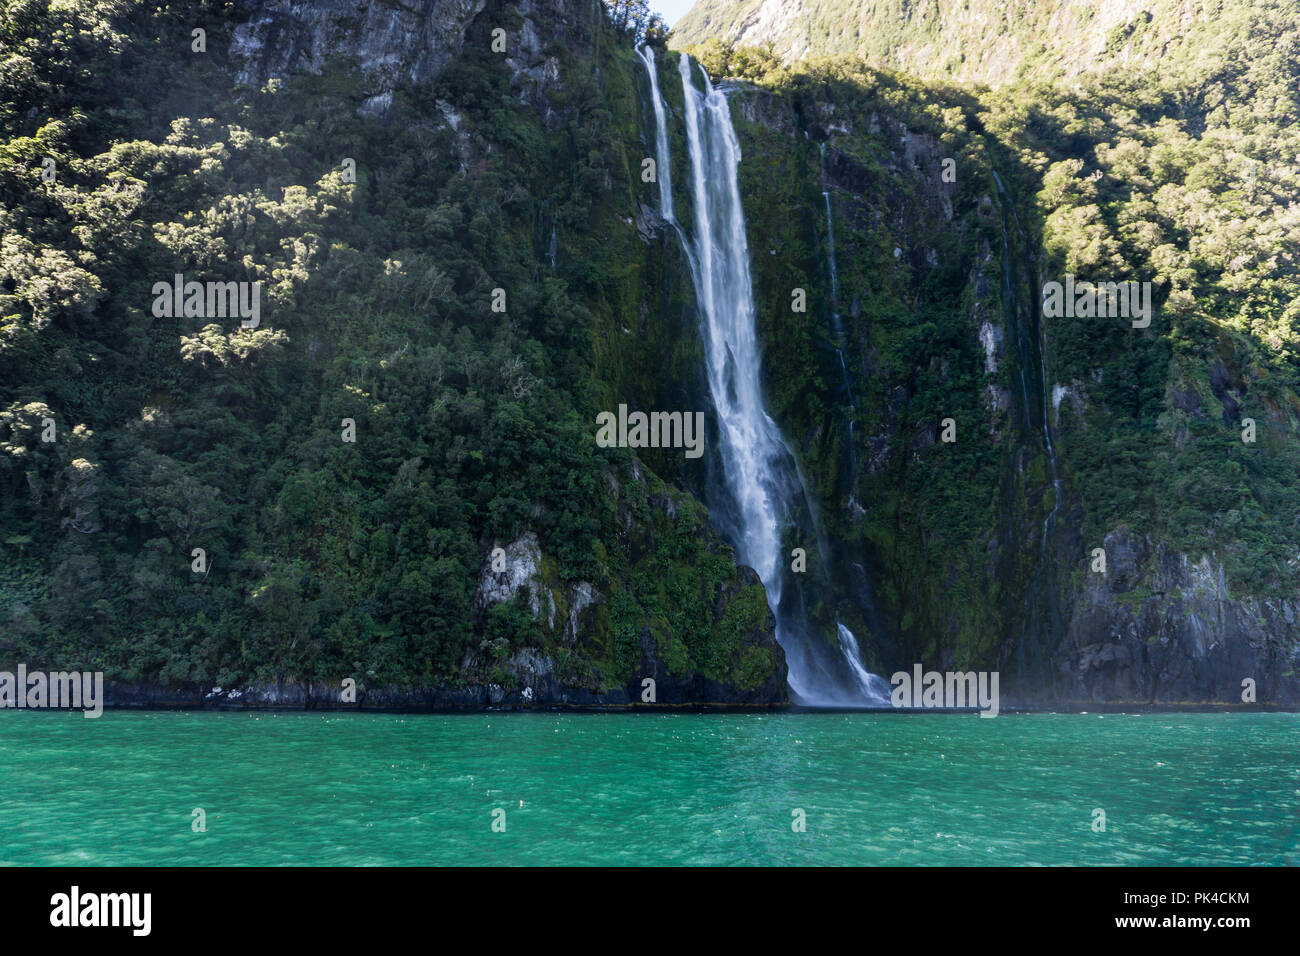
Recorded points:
(663, 165)
(761, 473)
(846, 382)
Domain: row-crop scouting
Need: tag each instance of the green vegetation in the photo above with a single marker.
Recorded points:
(1183, 176)
(990, 42)
(125, 159)
(324, 558)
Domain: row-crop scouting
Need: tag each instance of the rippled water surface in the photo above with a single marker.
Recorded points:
(649, 789)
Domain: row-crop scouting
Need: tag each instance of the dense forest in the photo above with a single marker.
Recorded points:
(460, 265)
(379, 244)
(1173, 446)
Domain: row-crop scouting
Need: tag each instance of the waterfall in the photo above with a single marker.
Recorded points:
(663, 166)
(835, 272)
(875, 687)
(761, 474)
(835, 300)
(845, 381)
(830, 261)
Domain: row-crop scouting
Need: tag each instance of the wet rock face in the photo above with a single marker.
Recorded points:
(392, 43)
(1227, 388)
(1188, 400)
(1160, 627)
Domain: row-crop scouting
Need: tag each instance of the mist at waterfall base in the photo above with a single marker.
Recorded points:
(761, 505)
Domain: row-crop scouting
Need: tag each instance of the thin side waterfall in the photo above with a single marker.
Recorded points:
(835, 302)
(663, 166)
(875, 688)
(830, 244)
(833, 268)
(761, 474)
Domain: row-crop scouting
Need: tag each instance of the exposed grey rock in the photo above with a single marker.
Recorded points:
(523, 561)
(649, 224)
(1188, 400)
(1161, 627)
(582, 597)
(1074, 393)
(530, 666)
(991, 340)
(392, 42)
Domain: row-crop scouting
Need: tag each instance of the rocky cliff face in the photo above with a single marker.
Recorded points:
(1157, 626)
(962, 554)
(390, 42)
(744, 665)
(422, 515)
(1015, 590)
(545, 641)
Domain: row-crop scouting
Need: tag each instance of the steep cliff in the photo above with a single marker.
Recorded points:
(1076, 440)
(390, 476)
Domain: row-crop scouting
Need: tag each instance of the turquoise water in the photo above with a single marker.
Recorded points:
(357, 789)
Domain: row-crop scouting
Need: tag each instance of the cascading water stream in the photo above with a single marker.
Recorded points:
(761, 473)
(663, 166)
(835, 272)
(833, 268)
(830, 245)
